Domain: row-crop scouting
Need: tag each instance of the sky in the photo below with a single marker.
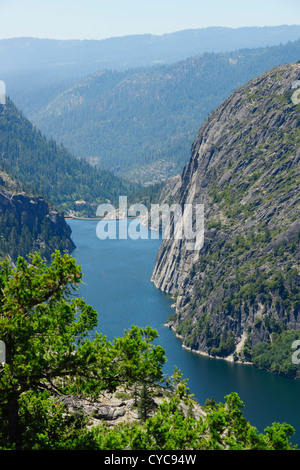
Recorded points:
(100, 19)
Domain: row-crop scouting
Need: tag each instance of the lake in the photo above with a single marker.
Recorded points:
(117, 283)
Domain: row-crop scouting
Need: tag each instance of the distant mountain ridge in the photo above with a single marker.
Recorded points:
(139, 50)
(35, 70)
(141, 123)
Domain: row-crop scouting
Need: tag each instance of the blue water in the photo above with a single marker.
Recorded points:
(117, 283)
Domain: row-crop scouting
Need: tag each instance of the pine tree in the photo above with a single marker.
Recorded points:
(145, 404)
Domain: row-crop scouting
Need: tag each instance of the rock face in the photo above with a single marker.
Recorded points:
(243, 285)
(120, 406)
(28, 223)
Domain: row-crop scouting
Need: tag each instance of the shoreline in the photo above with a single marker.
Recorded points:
(168, 325)
(98, 218)
(202, 353)
(80, 218)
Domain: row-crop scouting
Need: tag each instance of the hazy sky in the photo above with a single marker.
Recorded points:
(98, 19)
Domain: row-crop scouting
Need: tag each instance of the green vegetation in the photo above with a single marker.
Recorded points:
(145, 404)
(23, 232)
(224, 428)
(48, 169)
(247, 276)
(256, 284)
(34, 165)
(45, 330)
(146, 119)
(50, 354)
(276, 357)
(28, 223)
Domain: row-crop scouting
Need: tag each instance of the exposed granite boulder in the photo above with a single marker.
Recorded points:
(120, 406)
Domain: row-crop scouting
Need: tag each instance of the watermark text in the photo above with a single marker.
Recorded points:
(172, 221)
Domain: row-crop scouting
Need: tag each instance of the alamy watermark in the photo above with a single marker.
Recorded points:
(295, 358)
(2, 92)
(173, 222)
(2, 352)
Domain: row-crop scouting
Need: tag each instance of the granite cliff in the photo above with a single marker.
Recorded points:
(241, 290)
(29, 223)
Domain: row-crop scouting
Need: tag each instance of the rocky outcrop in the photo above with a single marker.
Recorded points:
(29, 223)
(120, 406)
(244, 283)
(110, 411)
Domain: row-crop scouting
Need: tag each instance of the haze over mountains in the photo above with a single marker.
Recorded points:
(141, 123)
(119, 53)
(138, 122)
(36, 69)
(137, 115)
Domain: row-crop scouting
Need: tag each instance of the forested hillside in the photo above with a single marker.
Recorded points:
(28, 223)
(141, 123)
(48, 169)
